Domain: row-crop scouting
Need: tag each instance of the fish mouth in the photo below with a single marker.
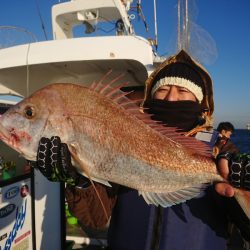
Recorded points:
(13, 139)
(9, 137)
(4, 133)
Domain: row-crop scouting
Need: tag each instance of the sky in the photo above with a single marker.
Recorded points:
(222, 39)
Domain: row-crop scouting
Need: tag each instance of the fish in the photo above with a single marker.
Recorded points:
(113, 140)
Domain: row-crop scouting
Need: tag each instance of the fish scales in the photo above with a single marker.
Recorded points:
(113, 143)
(124, 148)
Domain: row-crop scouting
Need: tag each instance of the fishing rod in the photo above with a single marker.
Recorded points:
(140, 13)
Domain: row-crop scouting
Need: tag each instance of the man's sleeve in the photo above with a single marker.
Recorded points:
(85, 205)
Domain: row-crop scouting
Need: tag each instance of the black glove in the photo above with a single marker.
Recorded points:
(54, 162)
(239, 169)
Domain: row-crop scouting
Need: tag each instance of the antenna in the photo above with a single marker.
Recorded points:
(41, 19)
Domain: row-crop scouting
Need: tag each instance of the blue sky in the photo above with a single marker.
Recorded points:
(227, 22)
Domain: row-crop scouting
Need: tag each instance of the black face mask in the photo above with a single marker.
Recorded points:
(184, 115)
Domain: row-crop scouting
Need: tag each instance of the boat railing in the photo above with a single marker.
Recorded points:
(67, 15)
(13, 35)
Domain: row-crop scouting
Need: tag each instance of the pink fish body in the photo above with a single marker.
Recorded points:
(113, 141)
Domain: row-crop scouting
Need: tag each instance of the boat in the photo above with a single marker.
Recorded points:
(66, 58)
(248, 126)
(76, 54)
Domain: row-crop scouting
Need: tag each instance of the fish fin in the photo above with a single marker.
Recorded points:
(106, 89)
(243, 198)
(106, 183)
(86, 172)
(100, 82)
(195, 146)
(172, 198)
(73, 151)
(120, 98)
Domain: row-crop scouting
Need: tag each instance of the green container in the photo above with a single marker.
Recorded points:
(70, 218)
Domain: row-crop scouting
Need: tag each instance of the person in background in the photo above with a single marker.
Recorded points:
(224, 146)
(225, 129)
(223, 143)
(179, 93)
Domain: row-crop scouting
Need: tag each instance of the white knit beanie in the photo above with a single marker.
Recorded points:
(180, 82)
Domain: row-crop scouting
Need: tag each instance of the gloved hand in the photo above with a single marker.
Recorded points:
(54, 162)
(239, 169)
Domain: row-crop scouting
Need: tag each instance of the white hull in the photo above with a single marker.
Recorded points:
(28, 67)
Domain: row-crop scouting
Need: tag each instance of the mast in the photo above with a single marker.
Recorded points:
(155, 25)
(183, 39)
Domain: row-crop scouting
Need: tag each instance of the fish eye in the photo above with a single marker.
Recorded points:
(29, 112)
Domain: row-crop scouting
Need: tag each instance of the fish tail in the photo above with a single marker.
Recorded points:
(243, 198)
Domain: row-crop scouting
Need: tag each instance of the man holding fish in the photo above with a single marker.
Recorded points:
(169, 168)
(179, 94)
